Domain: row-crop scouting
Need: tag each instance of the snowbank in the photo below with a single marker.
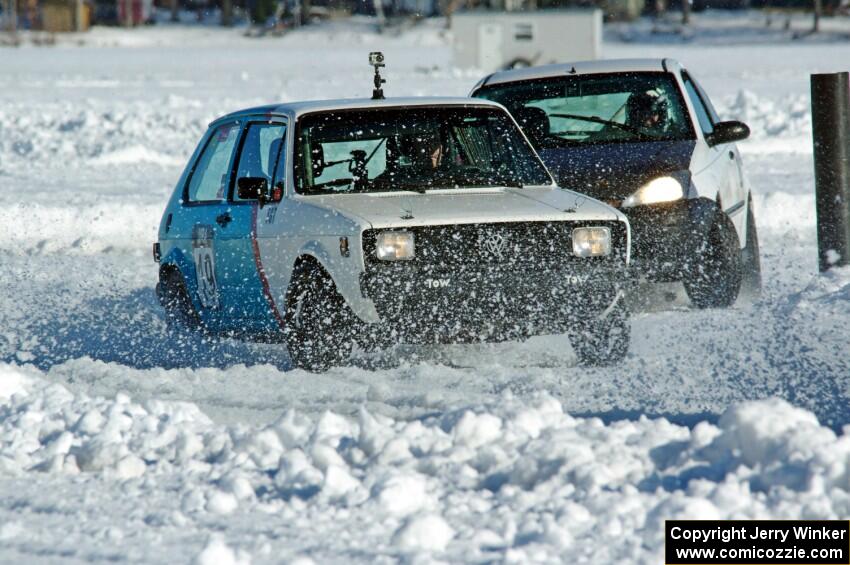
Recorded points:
(520, 480)
(80, 134)
(781, 125)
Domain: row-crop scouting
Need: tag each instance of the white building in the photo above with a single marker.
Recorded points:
(496, 40)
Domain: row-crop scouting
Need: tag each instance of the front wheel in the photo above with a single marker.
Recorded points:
(713, 278)
(318, 322)
(603, 342)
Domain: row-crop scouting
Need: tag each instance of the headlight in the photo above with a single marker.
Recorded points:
(662, 189)
(395, 245)
(591, 242)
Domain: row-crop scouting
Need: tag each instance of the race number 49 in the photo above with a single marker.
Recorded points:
(202, 252)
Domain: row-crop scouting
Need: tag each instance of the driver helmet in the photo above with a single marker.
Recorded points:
(647, 109)
(419, 147)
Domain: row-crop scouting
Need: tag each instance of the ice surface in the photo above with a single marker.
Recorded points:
(119, 444)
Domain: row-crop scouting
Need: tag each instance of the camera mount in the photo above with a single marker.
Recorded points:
(376, 59)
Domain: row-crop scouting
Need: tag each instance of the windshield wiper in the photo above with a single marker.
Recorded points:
(598, 120)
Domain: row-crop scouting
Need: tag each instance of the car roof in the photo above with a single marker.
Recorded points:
(581, 68)
(296, 109)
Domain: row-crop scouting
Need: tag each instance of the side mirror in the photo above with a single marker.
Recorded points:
(253, 188)
(728, 132)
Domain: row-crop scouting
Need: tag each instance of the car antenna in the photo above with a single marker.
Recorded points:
(376, 59)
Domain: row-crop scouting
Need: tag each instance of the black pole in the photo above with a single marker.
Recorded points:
(831, 134)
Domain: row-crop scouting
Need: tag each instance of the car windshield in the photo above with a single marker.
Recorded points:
(413, 148)
(600, 108)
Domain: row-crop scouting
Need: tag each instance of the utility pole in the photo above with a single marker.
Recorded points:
(831, 136)
(174, 7)
(686, 12)
(128, 13)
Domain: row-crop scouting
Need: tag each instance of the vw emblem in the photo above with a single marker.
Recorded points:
(494, 244)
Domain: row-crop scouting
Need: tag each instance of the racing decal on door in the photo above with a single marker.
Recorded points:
(261, 271)
(203, 253)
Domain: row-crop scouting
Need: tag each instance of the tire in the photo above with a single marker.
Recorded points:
(318, 323)
(180, 314)
(372, 338)
(713, 278)
(750, 258)
(603, 342)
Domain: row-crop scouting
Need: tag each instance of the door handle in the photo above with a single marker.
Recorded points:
(223, 219)
(732, 155)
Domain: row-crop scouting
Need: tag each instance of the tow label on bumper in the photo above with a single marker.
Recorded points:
(437, 283)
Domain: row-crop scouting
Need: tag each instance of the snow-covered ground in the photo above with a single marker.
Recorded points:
(116, 444)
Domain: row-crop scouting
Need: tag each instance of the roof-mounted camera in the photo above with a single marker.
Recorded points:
(376, 59)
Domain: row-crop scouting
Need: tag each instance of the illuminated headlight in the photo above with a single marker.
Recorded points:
(395, 245)
(662, 189)
(591, 242)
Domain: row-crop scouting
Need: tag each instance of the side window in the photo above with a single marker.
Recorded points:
(211, 176)
(705, 100)
(262, 153)
(705, 122)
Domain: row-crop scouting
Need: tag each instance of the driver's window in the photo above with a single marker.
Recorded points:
(260, 152)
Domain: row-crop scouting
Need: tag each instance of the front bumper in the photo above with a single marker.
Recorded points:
(666, 237)
(474, 303)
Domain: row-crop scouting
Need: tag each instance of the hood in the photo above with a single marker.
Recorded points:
(467, 206)
(612, 171)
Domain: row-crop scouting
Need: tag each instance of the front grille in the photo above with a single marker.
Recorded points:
(500, 244)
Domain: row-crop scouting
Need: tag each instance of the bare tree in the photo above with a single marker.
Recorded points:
(818, 14)
(305, 11)
(227, 13)
(379, 13)
(449, 7)
(11, 11)
(78, 15)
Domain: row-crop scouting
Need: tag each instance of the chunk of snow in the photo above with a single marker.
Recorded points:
(427, 532)
(402, 494)
(221, 502)
(217, 552)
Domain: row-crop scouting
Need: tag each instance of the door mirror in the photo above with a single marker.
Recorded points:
(728, 132)
(253, 188)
